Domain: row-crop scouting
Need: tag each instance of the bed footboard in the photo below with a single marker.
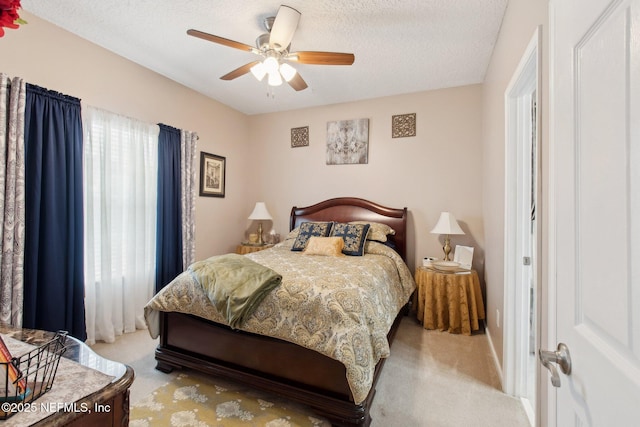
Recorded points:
(299, 374)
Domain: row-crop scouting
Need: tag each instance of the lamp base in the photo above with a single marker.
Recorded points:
(447, 248)
(260, 241)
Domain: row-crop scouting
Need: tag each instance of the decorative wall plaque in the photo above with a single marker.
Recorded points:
(403, 125)
(300, 136)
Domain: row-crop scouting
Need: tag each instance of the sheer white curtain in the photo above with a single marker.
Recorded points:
(120, 202)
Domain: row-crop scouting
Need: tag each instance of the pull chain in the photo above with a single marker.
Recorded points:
(270, 93)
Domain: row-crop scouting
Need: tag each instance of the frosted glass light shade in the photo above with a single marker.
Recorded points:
(275, 79)
(287, 71)
(258, 71)
(447, 224)
(271, 65)
(260, 212)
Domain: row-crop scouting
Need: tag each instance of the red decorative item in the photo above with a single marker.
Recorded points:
(9, 17)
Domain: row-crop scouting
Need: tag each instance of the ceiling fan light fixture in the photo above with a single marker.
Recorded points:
(274, 48)
(275, 79)
(287, 71)
(259, 71)
(271, 65)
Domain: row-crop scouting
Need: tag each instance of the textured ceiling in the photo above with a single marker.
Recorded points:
(400, 46)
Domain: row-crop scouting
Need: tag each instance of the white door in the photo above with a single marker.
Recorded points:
(595, 128)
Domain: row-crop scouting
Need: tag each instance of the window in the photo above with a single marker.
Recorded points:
(120, 203)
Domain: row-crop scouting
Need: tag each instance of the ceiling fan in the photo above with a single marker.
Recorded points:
(274, 48)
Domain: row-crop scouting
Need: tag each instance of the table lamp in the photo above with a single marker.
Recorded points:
(260, 213)
(447, 225)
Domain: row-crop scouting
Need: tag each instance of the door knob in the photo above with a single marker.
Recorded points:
(561, 357)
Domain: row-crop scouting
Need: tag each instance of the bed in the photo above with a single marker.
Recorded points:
(329, 358)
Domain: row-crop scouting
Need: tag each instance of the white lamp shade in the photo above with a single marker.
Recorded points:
(260, 212)
(447, 224)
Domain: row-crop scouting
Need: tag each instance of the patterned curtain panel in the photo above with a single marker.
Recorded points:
(188, 142)
(12, 101)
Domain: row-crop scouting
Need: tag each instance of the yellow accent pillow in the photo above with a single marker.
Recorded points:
(327, 246)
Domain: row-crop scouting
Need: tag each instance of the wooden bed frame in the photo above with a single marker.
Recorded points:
(294, 372)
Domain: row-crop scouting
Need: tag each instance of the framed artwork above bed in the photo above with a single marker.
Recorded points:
(212, 175)
(348, 142)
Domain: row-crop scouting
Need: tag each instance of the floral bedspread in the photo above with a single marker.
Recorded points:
(342, 307)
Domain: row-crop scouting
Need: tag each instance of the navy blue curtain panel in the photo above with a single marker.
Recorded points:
(169, 222)
(53, 265)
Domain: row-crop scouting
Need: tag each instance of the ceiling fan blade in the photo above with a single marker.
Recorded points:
(240, 71)
(283, 27)
(222, 41)
(322, 58)
(298, 82)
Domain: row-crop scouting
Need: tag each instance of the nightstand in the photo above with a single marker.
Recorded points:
(449, 301)
(244, 248)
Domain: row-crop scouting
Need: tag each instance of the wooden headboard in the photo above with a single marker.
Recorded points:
(345, 209)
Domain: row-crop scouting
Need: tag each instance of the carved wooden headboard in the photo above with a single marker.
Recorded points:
(345, 209)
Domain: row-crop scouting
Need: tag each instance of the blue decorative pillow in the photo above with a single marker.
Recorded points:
(354, 235)
(309, 229)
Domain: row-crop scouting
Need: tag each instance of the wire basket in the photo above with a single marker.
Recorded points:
(35, 372)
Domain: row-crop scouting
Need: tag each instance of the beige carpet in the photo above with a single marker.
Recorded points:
(432, 379)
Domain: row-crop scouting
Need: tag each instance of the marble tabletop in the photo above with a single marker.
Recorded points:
(83, 380)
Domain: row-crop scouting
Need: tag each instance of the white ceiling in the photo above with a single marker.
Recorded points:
(400, 46)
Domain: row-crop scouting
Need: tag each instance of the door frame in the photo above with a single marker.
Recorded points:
(550, 259)
(527, 77)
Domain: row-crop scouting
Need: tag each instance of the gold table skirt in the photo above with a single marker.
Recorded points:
(448, 301)
(247, 249)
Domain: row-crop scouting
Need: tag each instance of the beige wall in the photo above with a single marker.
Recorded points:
(47, 56)
(439, 169)
(520, 21)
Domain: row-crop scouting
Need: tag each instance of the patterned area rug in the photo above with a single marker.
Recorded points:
(191, 400)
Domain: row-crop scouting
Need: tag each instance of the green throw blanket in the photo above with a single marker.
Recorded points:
(234, 284)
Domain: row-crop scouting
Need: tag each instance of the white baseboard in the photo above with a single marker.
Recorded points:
(496, 361)
(528, 409)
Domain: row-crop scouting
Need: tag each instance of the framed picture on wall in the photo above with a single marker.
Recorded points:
(212, 175)
(348, 142)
